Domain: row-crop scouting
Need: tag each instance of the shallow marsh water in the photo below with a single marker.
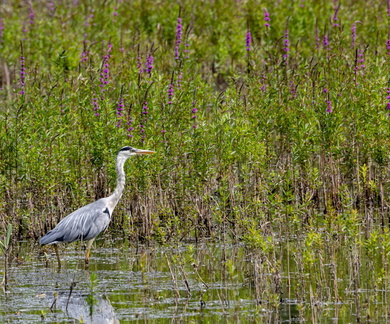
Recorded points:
(205, 282)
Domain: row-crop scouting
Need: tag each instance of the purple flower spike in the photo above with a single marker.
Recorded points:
(267, 19)
(149, 64)
(263, 82)
(335, 18)
(31, 16)
(293, 89)
(104, 75)
(248, 40)
(144, 120)
(179, 79)
(170, 93)
(145, 108)
(179, 34)
(194, 110)
(139, 64)
(325, 42)
(353, 33)
(329, 108)
(1, 30)
(286, 44)
(359, 66)
(187, 50)
(22, 74)
(84, 57)
(130, 128)
(95, 104)
(388, 8)
(119, 112)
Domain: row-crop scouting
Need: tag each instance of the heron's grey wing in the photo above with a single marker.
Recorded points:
(83, 224)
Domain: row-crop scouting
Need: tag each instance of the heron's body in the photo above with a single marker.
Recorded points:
(83, 224)
(89, 221)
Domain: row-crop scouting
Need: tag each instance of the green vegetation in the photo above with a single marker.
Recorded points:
(270, 132)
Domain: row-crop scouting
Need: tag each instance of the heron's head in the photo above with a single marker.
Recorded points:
(128, 151)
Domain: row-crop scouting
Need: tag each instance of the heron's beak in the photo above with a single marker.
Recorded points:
(144, 152)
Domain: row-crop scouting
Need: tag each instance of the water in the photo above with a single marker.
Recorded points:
(205, 283)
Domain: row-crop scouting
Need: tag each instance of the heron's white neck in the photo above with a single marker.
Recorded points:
(117, 194)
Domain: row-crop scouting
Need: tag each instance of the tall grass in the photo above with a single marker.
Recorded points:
(260, 125)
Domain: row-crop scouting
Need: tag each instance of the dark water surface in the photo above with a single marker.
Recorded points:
(189, 283)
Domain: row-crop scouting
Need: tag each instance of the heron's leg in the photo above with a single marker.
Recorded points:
(58, 255)
(89, 244)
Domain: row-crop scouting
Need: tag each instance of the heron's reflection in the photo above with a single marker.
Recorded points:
(86, 308)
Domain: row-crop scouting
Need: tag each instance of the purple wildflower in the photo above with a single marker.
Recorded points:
(388, 99)
(22, 74)
(248, 41)
(335, 18)
(359, 64)
(52, 8)
(329, 108)
(115, 11)
(353, 34)
(130, 127)
(149, 64)
(179, 34)
(139, 64)
(325, 42)
(84, 57)
(171, 90)
(119, 111)
(179, 79)
(95, 104)
(263, 83)
(194, 116)
(1, 30)
(142, 132)
(293, 89)
(24, 29)
(145, 108)
(360, 59)
(286, 44)
(187, 50)
(88, 19)
(144, 113)
(388, 46)
(104, 75)
(388, 8)
(326, 93)
(31, 16)
(267, 19)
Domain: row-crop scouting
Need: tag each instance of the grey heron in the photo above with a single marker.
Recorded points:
(89, 221)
